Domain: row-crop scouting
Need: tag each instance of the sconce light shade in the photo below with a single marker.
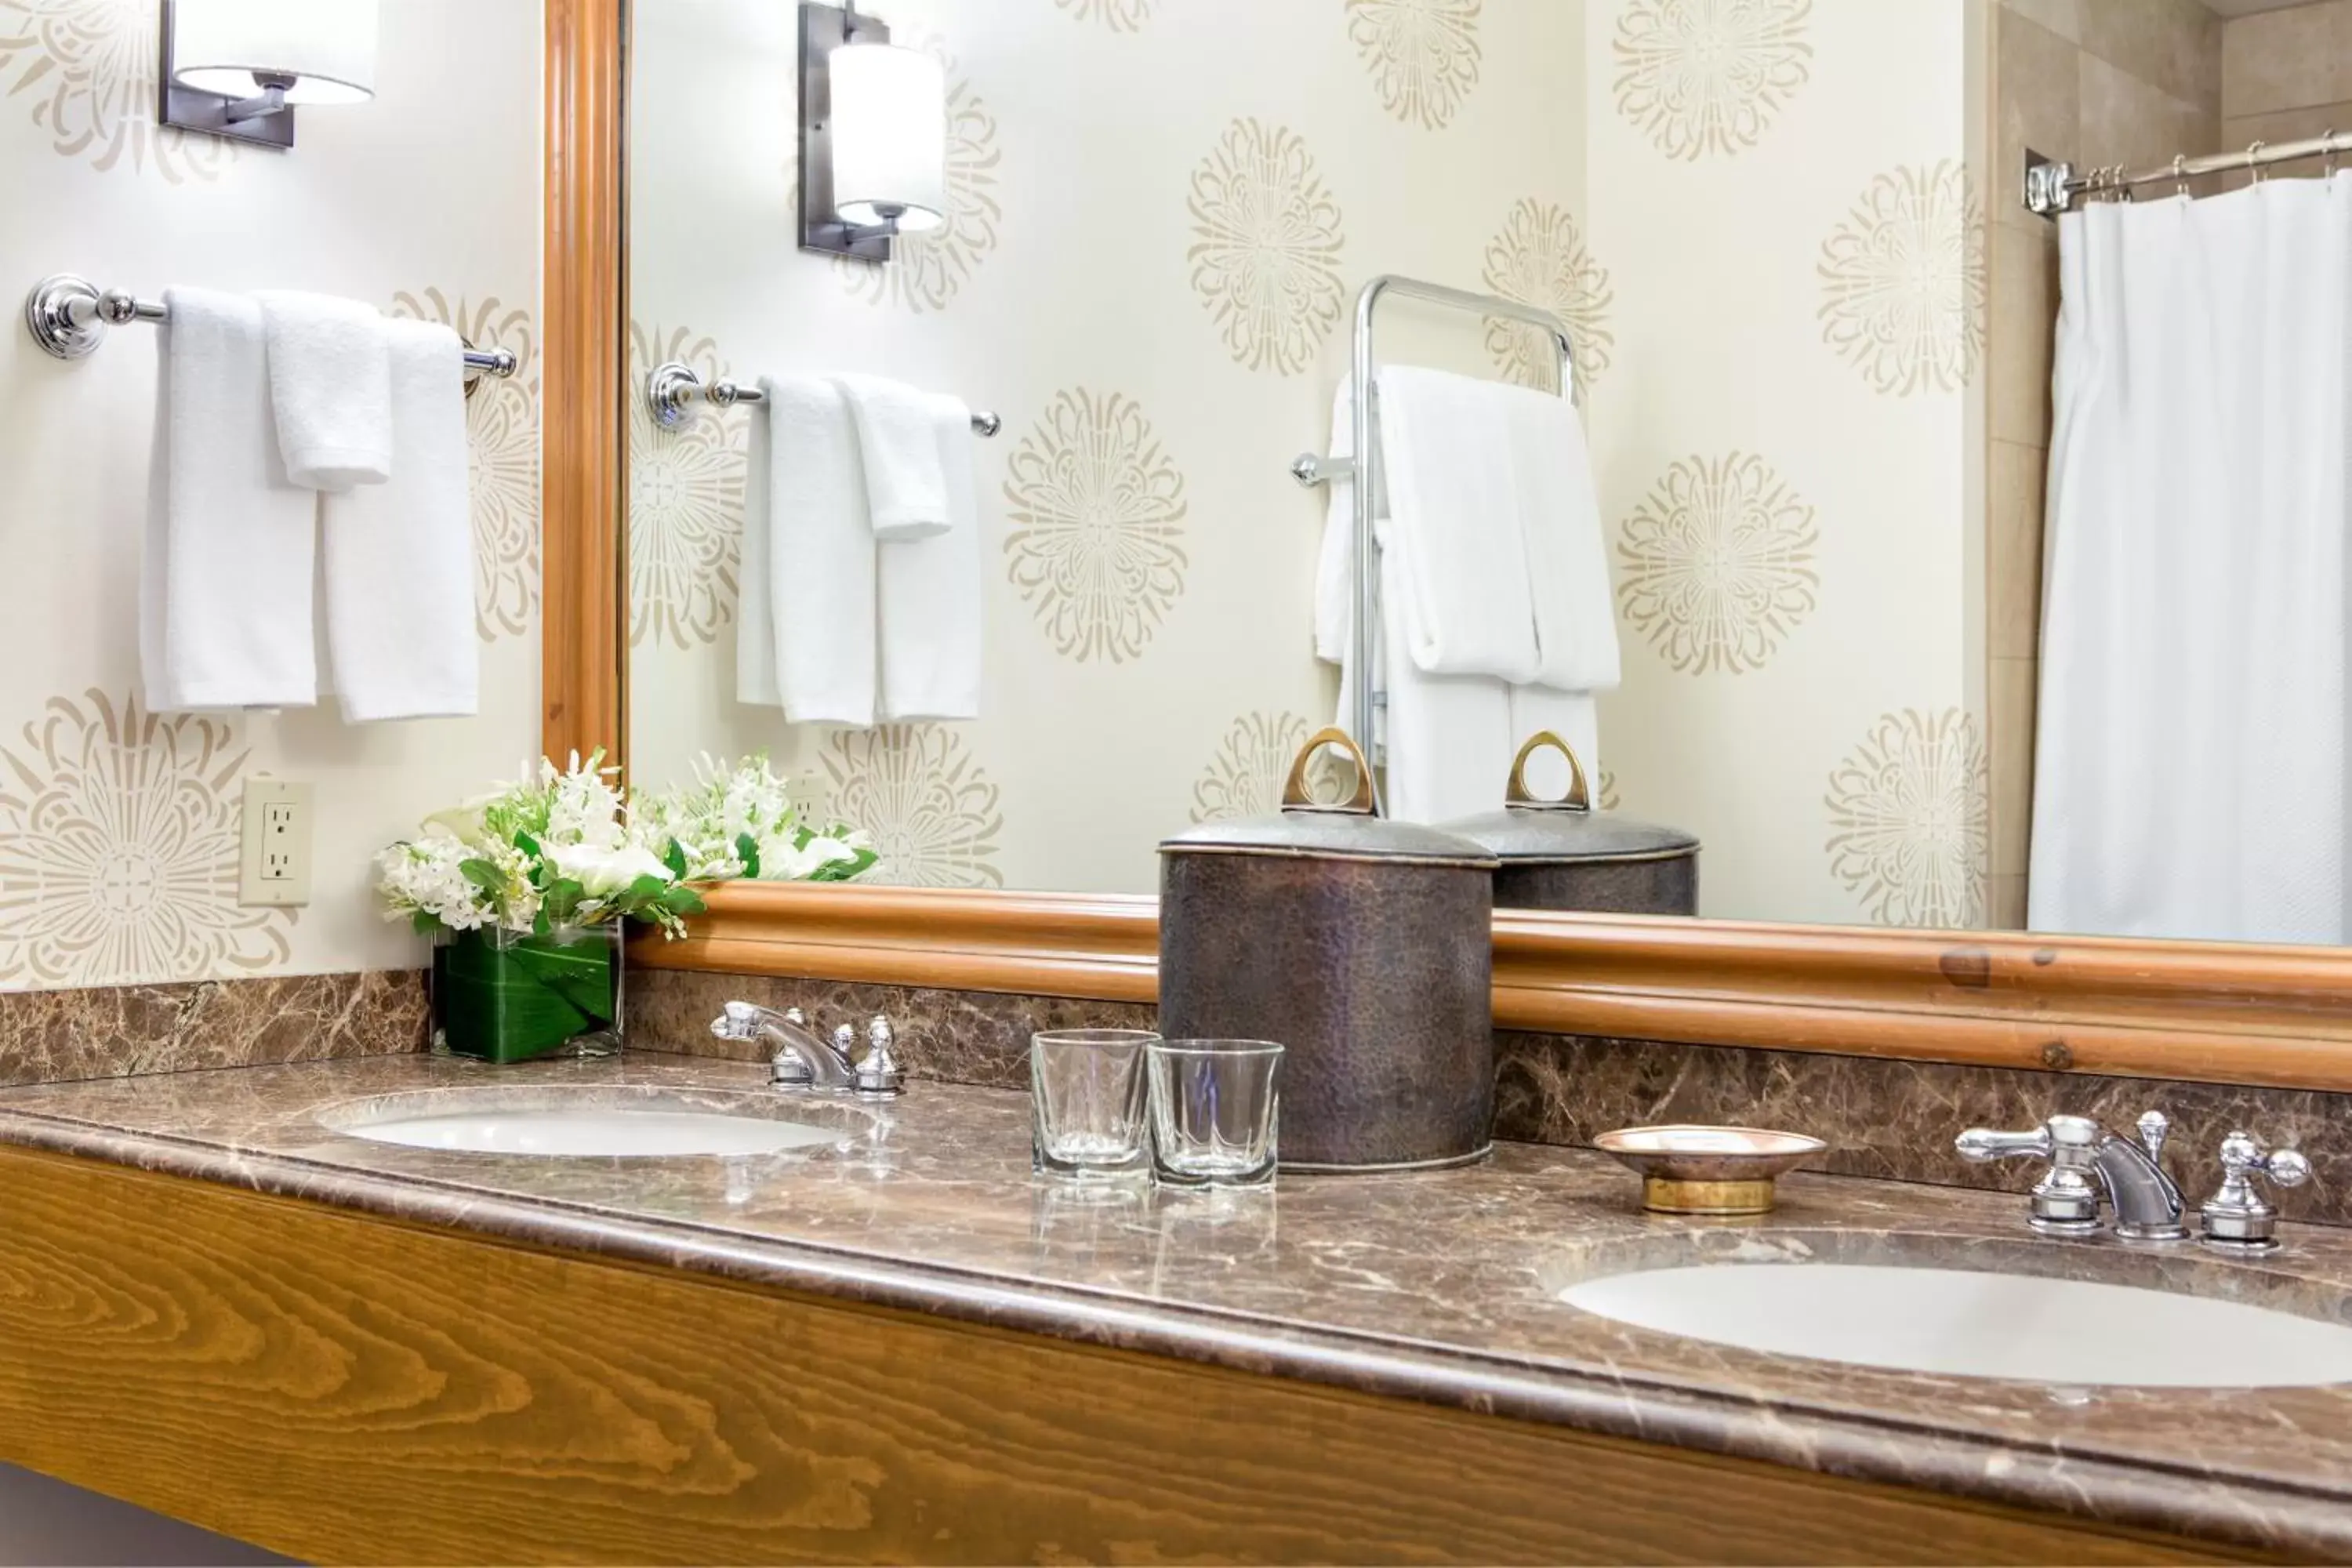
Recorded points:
(889, 136)
(229, 47)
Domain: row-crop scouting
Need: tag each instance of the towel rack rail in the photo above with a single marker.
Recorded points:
(68, 315)
(672, 391)
(1309, 469)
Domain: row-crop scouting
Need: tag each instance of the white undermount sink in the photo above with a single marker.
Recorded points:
(559, 1125)
(1972, 1323)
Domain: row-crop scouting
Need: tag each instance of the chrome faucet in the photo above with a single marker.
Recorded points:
(2088, 1166)
(2238, 1218)
(804, 1059)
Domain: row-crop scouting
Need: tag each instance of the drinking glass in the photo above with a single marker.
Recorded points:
(1085, 1103)
(1214, 1106)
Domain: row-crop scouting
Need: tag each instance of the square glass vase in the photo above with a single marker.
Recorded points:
(512, 996)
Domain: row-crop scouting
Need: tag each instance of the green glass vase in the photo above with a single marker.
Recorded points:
(508, 997)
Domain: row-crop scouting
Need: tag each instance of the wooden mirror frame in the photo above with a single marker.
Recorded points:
(2277, 1017)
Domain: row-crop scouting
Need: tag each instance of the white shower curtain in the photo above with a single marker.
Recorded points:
(2190, 772)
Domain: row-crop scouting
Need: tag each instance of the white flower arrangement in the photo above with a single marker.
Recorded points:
(552, 851)
(738, 820)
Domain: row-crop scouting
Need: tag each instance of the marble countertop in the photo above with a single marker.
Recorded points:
(1439, 1286)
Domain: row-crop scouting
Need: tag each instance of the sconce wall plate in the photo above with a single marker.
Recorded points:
(192, 109)
(825, 29)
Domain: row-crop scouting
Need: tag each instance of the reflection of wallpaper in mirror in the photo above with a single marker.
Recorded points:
(1767, 248)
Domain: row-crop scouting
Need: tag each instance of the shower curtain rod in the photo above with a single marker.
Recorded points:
(2051, 186)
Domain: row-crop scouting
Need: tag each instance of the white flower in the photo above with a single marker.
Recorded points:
(780, 861)
(603, 872)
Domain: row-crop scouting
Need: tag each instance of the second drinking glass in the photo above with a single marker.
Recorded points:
(1214, 1111)
(1085, 1104)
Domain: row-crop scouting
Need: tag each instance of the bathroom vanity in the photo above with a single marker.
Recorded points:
(892, 1345)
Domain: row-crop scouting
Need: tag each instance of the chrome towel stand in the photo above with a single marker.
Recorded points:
(1309, 469)
(672, 391)
(67, 315)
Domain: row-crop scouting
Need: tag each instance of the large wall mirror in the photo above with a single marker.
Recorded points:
(1812, 325)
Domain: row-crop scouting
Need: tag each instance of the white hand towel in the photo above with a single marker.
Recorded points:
(224, 589)
(755, 619)
(1567, 560)
(821, 556)
(1498, 531)
(906, 490)
(1448, 737)
(929, 592)
(399, 568)
(331, 388)
(1457, 550)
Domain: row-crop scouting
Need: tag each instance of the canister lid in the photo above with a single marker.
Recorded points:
(1352, 829)
(1527, 830)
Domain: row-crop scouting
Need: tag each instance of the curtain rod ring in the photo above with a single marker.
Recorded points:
(2180, 173)
(2253, 159)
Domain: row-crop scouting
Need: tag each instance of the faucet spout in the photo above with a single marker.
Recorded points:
(2146, 1201)
(802, 1055)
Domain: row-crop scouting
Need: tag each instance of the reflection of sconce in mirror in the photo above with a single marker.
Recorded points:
(238, 68)
(873, 135)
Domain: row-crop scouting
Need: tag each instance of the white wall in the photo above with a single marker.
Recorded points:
(118, 830)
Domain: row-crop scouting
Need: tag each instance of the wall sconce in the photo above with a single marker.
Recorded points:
(238, 68)
(873, 135)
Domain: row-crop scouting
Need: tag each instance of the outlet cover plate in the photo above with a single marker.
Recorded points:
(273, 862)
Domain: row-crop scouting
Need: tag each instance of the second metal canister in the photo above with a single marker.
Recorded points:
(1563, 855)
(1365, 947)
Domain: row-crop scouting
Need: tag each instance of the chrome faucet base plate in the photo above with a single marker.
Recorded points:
(2066, 1227)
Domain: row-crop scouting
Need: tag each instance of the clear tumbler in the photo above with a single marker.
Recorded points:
(1213, 1105)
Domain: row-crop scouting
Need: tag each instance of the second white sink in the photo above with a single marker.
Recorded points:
(1971, 1323)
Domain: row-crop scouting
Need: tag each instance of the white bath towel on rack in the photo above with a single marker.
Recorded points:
(928, 591)
(1497, 530)
(225, 590)
(821, 556)
(898, 440)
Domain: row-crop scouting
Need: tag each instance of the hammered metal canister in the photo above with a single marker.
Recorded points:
(1365, 946)
(1564, 855)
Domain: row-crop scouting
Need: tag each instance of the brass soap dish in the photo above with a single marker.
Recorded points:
(1708, 1170)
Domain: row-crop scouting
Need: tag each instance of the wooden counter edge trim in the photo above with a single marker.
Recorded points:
(2277, 1017)
(2149, 1502)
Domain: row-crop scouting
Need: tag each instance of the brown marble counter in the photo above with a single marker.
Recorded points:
(1439, 1286)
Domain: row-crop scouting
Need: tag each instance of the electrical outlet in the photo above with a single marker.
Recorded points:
(274, 867)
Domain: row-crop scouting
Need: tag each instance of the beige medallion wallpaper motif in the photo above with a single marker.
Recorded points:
(118, 826)
(1759, 220)
(1097, 514)
(685, 502)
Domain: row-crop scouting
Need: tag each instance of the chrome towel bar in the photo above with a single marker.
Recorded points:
(672, 391)
(69, 316)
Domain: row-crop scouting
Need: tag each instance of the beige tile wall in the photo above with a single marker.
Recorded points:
(2287, 75)
(2091, 82)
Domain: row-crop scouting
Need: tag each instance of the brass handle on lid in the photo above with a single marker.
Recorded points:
(1515, 793)
(1365, 802)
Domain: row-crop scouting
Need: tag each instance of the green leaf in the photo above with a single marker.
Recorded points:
(642, 890)
(562, 897)
(424, 922)
(674, 858)
(483, 875)
(681, 900)
(747, 850)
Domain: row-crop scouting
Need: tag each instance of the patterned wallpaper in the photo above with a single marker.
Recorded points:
(1758, 219)
(1159, 216)
(118, 826)
(1786, 444)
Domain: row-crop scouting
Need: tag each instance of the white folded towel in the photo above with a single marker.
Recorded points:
(224, 587)
(905, 491)
(399, 561)
(821, 556)
(1457, 550)
(930, 592)
(1449, 740)
(331, 388)
(1497, 531)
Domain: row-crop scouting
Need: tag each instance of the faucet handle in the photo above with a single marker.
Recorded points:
(2154, 1129)
(879, 1074)
(2238, 1218)
(2065, 1201)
